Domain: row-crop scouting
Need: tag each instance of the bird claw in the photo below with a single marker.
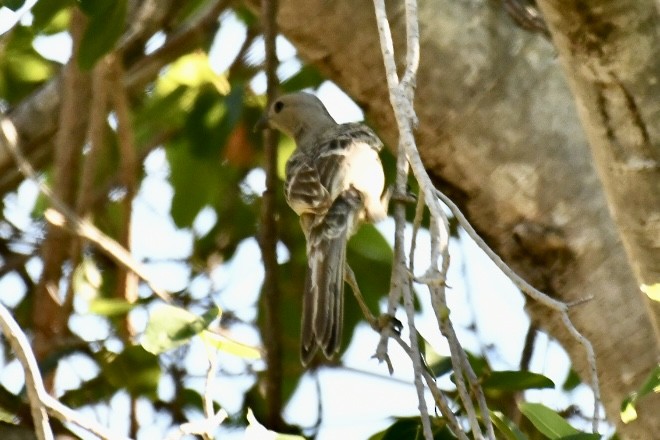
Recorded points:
(387, 322)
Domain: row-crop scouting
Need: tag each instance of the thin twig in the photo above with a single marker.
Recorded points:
(536, 295)
(33, 381)
(401, 277)
(401, 98)
(40, 400)
(199, 427)
(349, 277)
(440, 400)
(212, 357)
(61, 215)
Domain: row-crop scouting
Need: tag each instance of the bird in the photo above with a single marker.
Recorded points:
(334, 182)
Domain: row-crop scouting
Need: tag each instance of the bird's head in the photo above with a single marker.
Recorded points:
(298, 115)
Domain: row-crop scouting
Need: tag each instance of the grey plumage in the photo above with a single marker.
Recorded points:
(334, 179)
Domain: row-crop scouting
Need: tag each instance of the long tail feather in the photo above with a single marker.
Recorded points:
(323, 300)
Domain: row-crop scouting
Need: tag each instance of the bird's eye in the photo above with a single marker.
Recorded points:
(278, 106)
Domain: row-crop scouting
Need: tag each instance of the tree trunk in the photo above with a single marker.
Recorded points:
(500, 134)
(611, 56)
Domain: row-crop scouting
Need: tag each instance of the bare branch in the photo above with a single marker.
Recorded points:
(40, 400)
(33, 381)
(268, 234)
(62, 216)
(128, 282)
(536, 295)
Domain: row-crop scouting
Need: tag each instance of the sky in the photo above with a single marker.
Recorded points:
(480, 294)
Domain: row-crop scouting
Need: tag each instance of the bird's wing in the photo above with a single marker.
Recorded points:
(303, 189)
(317, 174)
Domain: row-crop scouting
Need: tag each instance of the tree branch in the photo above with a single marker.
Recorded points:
(537, 296)
(40, 400)
(268, 234)
(62, 216)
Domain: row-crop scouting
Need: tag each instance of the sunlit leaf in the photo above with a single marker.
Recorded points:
(51, 16)
(110, 307)
(227, 345)
(651, 384)
(192, 71)
(87, 279)
(31, 67)
(171, 326)
(652, 291)
(547, 421)
(22, 68)
(285, 149)
(628, 412)
(516, 381)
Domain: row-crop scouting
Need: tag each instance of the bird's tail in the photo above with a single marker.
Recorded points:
(323, 298)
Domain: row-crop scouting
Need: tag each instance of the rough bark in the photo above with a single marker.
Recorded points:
(611, 57)
(500, 133)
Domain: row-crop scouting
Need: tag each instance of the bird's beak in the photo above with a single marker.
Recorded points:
(262, 123)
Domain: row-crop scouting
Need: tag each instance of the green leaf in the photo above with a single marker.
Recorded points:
(191, 399)
(547, 421)
(110, 307)
(13, 4)
(97, 389)
(87, 279)
(285, 148)
(227, 345)
(440, 365)
(582, 436)
(195, 181)
(410, 428)
(506, 427)
(134, 369)
(651, 384)
(171, 326)
(572, 380)
(22, 68)
(307, 76)
(371, 244)
(106, 24)
(45, 12)
(211, 120)
(516, 381)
